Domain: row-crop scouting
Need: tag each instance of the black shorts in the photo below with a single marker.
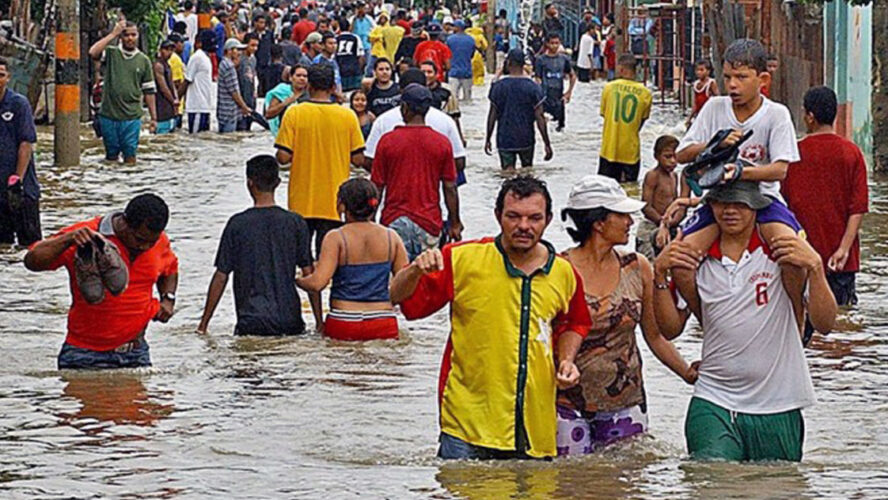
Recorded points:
(844, 289)
(508, 159)
(318, 228)
(583, 74)
(621, 172)
(22, 224)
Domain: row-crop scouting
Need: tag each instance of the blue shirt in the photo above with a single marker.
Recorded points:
(515, 100)
(332, 61)
(16, 127)
(186, 52)
(462, 46)
(220, 40)
(362, 27)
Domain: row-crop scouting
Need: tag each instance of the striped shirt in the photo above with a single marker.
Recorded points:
(227, 109)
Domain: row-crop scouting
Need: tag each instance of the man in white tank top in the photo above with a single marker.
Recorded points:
(753, 377)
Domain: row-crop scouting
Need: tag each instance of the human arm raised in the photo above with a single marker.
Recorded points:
(96, 50)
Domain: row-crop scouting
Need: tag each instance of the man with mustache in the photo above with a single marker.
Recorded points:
(508, 295)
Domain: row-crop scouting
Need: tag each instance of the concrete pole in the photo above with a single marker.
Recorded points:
(67, 88)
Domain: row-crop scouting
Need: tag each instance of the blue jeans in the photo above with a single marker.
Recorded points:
(202, 118)
(225, 127)
(453, 448)
(416, 239)
(132, 355)
(120, 136)
(368, 69)
(166, 127)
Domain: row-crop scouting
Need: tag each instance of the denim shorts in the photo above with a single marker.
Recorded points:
(775, 212)
(120, 136)
(454, 448)
(225, 127)
(508, 159)
(416, 239)
(133, 354)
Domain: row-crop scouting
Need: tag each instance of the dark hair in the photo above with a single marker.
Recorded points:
(4, 63)
(258, 17)
(408, 61)
(360, 198)
(663, 143)
(180, 27)
(303, 12)
(705, 63)
(822, 103)
(523, 186)
(773, 57)
(627, 61)
(583, 220)
(351, 98)
(321, 76)
(250, 36)
(550, 4)
(286, 33)
(503, 13)
(344, 24)
(277, 51)
(148, 209)
(381, 60)
(747, 52)
(412, 75)
(553, 36)
(188, 5)
(429, 62)
(610, 17)
(263, 171)
(327, 35)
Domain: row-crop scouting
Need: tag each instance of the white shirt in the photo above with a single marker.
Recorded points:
(199, 74)
(438, 120)
(586, 44)
(773, 137)
(753, 360)
(190, 20)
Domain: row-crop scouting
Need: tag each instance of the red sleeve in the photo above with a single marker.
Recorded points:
(169, 262)
(576, 318)
(434, 291)
(446, 52)
(859, 187)
(67, 257)
(448, 165)
(377, 171)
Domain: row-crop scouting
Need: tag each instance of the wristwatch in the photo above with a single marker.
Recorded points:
(169, 296)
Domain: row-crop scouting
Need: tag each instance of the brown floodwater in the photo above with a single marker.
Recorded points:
(220, 416)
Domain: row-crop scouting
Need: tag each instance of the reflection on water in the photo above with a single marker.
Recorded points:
(219, 416)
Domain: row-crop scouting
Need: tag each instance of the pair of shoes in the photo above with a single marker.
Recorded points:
(98, 266)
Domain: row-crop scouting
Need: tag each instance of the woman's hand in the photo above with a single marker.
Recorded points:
(568, 375)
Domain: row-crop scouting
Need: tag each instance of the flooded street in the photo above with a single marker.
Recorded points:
(220, 416)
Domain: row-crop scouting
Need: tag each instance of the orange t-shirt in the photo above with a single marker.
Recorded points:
(116, 320)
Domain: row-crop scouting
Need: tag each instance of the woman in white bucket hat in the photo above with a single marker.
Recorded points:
(609, 404)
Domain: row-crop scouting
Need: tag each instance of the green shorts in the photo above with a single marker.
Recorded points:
(715, 433)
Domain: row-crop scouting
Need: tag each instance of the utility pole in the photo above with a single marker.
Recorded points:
(67, 84)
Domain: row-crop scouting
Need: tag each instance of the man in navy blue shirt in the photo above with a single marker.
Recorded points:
(19, 191)
(462, 46)
(516, 102)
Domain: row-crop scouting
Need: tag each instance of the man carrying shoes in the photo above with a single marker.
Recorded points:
(513, 301)
(128, 254)
(753, 378)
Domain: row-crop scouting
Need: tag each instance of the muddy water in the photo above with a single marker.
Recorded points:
(223, 416)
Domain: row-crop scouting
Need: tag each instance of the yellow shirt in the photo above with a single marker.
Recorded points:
(377, 43)
(498, 373)
(625, 105)
(177, 69)
(391, 38)
(322, 138)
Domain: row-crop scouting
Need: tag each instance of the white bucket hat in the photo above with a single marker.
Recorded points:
(598, 191)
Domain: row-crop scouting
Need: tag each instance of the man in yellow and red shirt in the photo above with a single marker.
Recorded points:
(507, 297)
(111, 333)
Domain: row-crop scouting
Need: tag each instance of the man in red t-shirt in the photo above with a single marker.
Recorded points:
(302, 28)
(435, 50)
(111, 333)
(410, 177)
(827, 190)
